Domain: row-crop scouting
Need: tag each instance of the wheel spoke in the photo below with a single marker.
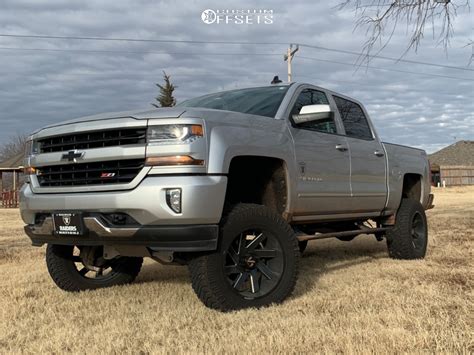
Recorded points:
(76, 259)
(99, 272)
(83, 271)
(265, 253)
(253, 262)
(255, 242)
(232, 269)
(255, 285)
(265, 270)
(233, 255)
(240, 280)
(241, 247)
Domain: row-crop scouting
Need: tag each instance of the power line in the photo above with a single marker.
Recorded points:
(231, 54)
(387, 69)
(235, 43)
(132, 52)
(118, 39)
(386, 58)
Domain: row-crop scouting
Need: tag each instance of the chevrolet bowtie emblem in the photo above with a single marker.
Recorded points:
(72, 156)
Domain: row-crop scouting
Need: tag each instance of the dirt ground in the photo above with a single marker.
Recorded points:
(350, 298)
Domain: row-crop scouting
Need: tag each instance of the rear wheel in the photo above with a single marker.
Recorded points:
(255, 265)
(408, 239)
(83, 268)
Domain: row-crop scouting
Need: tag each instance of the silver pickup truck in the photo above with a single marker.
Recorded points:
(232, 184)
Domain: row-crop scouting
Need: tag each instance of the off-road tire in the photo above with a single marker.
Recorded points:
(64, 273)
(401, 242)
(207, 270)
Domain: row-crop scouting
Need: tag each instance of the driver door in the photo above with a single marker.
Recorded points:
(322, 159)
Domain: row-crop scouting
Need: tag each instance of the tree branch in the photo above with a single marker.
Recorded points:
(380, 17)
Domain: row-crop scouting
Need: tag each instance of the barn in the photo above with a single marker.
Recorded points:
(453, 165)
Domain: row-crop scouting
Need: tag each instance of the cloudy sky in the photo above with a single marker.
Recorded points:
(50, 80)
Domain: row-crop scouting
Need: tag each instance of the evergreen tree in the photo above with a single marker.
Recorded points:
(165, 98)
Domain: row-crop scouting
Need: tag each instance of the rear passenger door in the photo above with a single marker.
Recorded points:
(322, 159)
(368, 175)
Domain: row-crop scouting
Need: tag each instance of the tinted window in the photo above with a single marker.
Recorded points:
(353, 118)
(263, 101)
(314, 97)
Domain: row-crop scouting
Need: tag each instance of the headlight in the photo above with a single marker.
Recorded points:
(174, 133)
(31, 148)
(28, 148)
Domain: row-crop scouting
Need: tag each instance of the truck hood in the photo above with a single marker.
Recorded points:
(164, 112)
(158, 113)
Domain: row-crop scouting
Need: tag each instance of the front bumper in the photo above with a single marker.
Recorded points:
(173, 238)
(202, 201)
(157, 225)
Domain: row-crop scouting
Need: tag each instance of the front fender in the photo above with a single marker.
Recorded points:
(251, 136)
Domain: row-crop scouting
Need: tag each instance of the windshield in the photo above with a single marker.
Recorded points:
(262, 101)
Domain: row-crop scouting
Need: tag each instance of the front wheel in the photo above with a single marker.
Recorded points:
(408, 239)
(83, 268)
(255, 265)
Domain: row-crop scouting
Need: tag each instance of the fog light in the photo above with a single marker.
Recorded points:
(173, 199)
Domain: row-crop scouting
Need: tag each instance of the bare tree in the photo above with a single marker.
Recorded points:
(471, 44)
(13, 147)
(380, 19)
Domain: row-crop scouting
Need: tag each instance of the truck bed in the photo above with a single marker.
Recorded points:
(401, 159)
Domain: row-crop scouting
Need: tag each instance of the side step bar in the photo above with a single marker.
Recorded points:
(303, 237)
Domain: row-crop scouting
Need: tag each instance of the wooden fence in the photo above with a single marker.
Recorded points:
(10, 199)
(457, 175)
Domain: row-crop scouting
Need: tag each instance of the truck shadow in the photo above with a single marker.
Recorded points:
(320, 258)
(171, 274)
(325, 257)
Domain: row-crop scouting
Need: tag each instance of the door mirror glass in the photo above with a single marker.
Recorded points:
(310, 113)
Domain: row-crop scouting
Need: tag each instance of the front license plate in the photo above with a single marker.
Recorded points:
(68, 224)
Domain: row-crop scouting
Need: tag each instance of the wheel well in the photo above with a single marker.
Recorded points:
(412, 186)
(260, 180)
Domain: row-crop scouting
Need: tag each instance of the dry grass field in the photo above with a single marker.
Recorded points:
(350, 298)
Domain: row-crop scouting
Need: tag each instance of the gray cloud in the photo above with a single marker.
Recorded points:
(41, 87)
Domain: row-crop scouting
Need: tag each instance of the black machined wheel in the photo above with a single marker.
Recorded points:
(254, 263)
(408, 239)
(82, 268)
(98, 269)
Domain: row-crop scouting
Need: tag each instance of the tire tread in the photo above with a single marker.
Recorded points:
(66, 278)
(204, 278)
(399, 240)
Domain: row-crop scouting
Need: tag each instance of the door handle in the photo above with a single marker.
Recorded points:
(379, 153)
(341, 147)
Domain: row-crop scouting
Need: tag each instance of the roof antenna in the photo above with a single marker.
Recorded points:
(276, 80)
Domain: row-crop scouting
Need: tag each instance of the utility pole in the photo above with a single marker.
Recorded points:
(288, 57)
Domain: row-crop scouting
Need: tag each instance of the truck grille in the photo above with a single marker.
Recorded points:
(93, 139)
(97, 173)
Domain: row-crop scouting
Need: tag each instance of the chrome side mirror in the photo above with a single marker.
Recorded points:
(313, 113)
